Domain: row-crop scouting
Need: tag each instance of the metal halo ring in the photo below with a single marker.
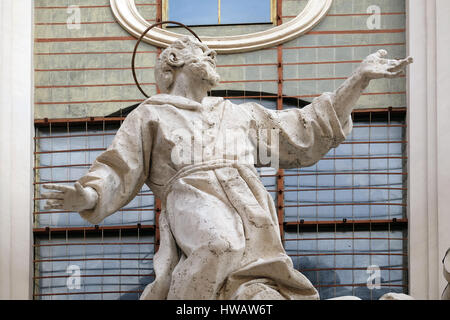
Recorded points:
(139, 41)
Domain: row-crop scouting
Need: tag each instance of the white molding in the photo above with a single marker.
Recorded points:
(129, 18)
(429, 145)
(16, 148)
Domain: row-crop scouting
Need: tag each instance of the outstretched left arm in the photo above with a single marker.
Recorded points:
(306, 135)
(375, 66)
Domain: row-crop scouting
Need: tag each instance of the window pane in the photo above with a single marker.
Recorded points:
(194, 12)
(337, 262)
(109, 267)
(65, 156)
(248, 11)
(363, 178)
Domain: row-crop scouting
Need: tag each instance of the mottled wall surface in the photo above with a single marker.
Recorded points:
(85, 70)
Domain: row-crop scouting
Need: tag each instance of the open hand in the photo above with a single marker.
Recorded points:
(72, 198)
(375, 66)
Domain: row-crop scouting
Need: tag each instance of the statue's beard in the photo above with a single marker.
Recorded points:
(204, 72)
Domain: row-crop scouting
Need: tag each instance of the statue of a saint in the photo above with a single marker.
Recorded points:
(220, 235)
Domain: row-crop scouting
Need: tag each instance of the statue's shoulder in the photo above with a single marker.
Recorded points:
(162, 101)
(143, 111)
(251, 106)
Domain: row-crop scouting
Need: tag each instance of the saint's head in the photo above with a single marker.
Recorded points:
(186, 63)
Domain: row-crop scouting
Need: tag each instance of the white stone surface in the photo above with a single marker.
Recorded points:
(16, 148)
(219, 229)
(387, 296)
(396, 296)
(345, 298)
(446, 293)
(428, 138)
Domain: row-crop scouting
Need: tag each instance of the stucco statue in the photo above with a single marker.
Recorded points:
(220, 235)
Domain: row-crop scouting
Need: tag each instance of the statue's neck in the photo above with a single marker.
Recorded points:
(189, 88)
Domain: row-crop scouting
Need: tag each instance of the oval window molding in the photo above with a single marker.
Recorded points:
(129, 18)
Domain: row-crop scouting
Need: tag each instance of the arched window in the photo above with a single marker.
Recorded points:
(223, 12)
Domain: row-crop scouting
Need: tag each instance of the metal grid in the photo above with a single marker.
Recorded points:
(114, 259)
(348, 212)
(112, 264)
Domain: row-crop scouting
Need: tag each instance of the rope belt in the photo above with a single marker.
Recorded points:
(205, 166)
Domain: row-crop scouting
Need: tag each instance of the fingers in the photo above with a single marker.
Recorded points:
(381, 53)
(57, 187)
(377, 56)
(55, 199)
(53, 195)
(79, 187)
(54, 204)
(399, 64)
(395, 74)
(376, 66)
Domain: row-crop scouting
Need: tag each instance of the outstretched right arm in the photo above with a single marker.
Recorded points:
(115, 177)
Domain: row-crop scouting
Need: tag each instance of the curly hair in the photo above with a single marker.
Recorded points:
(173, 57)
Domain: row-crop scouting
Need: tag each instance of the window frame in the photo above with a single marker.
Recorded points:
(303, 228)
(128, 16)
(273, 16)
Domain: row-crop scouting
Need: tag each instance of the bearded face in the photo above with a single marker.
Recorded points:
(189, 60)
(201, 65)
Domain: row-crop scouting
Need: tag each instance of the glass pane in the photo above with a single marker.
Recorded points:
(248, 11)
(65, 156)
(110, 267)
(363, 178)
(366, 264)
(194, 12)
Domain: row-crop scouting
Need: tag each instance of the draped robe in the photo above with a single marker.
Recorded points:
(219, 230)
